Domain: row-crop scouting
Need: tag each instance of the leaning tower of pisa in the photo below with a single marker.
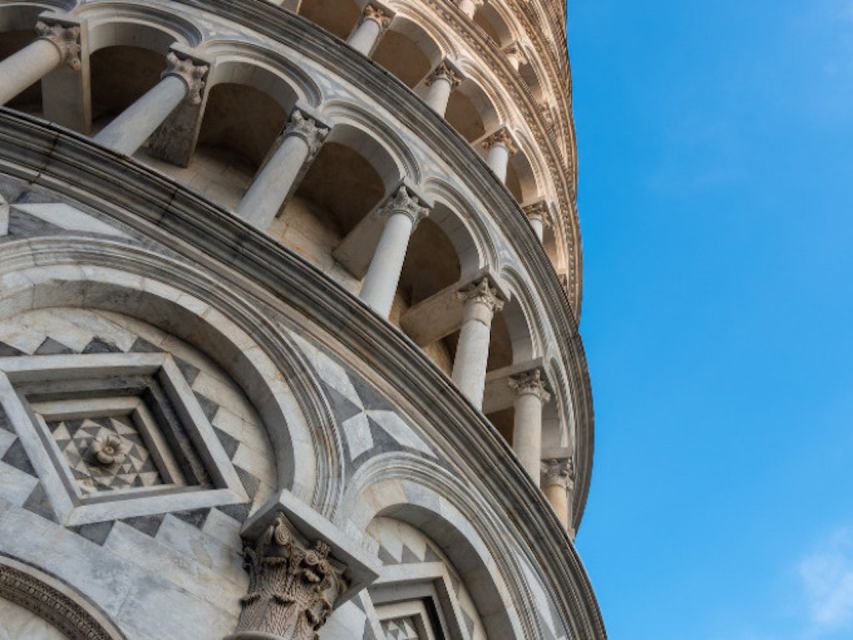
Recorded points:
(289, 294)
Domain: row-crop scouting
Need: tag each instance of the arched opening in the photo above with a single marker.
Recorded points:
(407, 51)
(338, 17)
(531, 79)
(470, 111)
(520, 179)
(489, 19)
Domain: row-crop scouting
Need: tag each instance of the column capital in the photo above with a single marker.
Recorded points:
(293, 584)
(446, 70)
(558, 472)
(189, 68)
(64, 33)
(482, 292)
(532, 383)
(405, 201)
(377, 14)
(515, 53)
(307, 126)
(503, 137)
(539, 210)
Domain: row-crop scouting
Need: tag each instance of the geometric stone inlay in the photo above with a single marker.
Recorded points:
(116, 435)
(401, 629)
(78, 441)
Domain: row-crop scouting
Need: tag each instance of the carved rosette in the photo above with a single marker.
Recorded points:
(305, 127)
(558, 472)
(530, 382)
(445, 71)
(405, 203)
(65, 37)
(483, 293)
(192, 72)
(503, 137)
(292, 585)
(378, 15)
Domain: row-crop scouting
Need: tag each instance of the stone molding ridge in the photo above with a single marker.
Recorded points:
(64, 33)
(531, 382)
(189, 68)
(484, 293)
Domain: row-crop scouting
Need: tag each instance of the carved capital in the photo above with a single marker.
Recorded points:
(379, 15)
(407, 203)
(65, 36)
(192, 71)
(501, 136)
(558, 472)
(530, 382)
(483, 293)
(515, 54)
(304, 126)
(445, 71)
(538, 211)
(293, 585)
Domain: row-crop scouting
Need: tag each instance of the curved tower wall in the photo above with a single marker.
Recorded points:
(289, 339)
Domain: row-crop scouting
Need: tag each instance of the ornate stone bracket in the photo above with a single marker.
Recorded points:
(64, 34)
(501, 136)
(192, 70)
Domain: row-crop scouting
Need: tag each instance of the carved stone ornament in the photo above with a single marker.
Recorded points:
(64, 37)
(501, 136)
(560, 472)
(445, 71)
(483, 293)
(292, 585)
(191, 71)
(378, 15)
(406, 203)
(107, 450)
(538, 211)
(306, 128)
(532, 382)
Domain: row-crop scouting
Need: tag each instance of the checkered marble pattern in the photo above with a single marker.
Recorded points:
(400, 629)
(75, 439)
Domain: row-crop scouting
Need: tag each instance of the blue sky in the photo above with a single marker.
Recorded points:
(716, 203)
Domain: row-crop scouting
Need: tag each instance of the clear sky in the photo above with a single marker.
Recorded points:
(716, 203)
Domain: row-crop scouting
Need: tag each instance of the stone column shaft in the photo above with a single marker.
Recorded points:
(131, 128)
(57, 43)
(500, 146)
(472, 351)
(531, 395)
(537, 215)
(557, 483)
(383, 274)
(369, 30)
(441, 83)
(269, 190)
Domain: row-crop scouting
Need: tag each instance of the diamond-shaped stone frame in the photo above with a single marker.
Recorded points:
(70, 507)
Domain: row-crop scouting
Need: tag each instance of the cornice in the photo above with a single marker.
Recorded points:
(189, 224)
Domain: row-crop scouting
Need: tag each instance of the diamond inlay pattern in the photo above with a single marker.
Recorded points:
(76, 438)
(400, 629)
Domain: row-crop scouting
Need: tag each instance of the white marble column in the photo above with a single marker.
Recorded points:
(298, 146)
(373, 23)
(537, 214)
(530, 396)
(183, 79)
(441, 82)
(58, 42)
(469, 7)
(500, 146)
(472, 351)
(557, 482)
(403, 213)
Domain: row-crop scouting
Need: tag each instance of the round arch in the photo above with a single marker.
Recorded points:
(124, 25)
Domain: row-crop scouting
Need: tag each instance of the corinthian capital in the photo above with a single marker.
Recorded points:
(64, 34)
(379, 15)
(193, 71)
(558, 472)
(483, 293)
(303, 125)
(538, 211)
(501, 136)
(293, 585)
(408, 203)
(530, 382)
(445, 71)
